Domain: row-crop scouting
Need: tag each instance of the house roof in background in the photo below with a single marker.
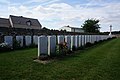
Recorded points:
(23, 20)
(5, 22)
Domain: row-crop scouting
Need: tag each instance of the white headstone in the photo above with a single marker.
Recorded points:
(60, 39)
(87, 38)
(42, 45)
(103, 37)
(20, 38)
(108, 36)
(8, 40)
(72, 41)
(94, 38)
(97, 37)
(35, 39)
(83, 40)
(68, 40)
(76, 41)
(51, 44)
(80, 40)
(27, 40)
(90, 39)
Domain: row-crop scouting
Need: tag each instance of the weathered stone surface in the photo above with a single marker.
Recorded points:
(80, 40)
(83, 40)
(8, 40)
(87, 38)
(27, 40)
(51, 45)
(35, 40)
(90, 38)
(94, 38)
(42, 45)
(76, 41)
(72, 41)
(68, 40)
(60, 39)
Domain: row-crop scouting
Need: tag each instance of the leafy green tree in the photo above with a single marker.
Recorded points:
(91, 26)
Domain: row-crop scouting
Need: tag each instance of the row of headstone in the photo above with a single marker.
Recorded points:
(47, 44)
(28, 40)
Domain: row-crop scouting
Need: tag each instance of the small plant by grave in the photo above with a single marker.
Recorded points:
(5, 47)
(81, 47)
(74, 48)
(88, 44)
(17, 44)
(62, 48)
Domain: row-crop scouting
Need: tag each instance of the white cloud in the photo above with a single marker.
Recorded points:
(61, 6)
(60, 14)
(50, 2)
(43, 2)
(37, 1)
(4, 1)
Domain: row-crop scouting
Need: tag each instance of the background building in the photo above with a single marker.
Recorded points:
(20, 22)
(72, 29)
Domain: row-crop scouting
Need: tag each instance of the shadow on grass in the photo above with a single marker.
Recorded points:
(77, 53)
(12, 50)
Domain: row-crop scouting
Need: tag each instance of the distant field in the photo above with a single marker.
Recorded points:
(102, 62)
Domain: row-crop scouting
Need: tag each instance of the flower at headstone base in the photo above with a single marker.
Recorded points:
(4, 47)
(3, 44)
(62, 48)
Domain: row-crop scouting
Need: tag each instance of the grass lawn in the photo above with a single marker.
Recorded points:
(102, 62)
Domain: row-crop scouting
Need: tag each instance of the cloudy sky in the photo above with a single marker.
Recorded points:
(54, 14)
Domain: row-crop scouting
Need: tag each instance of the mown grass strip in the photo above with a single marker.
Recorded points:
(102, 62)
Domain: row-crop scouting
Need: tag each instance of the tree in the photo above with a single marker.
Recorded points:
(91, 26)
